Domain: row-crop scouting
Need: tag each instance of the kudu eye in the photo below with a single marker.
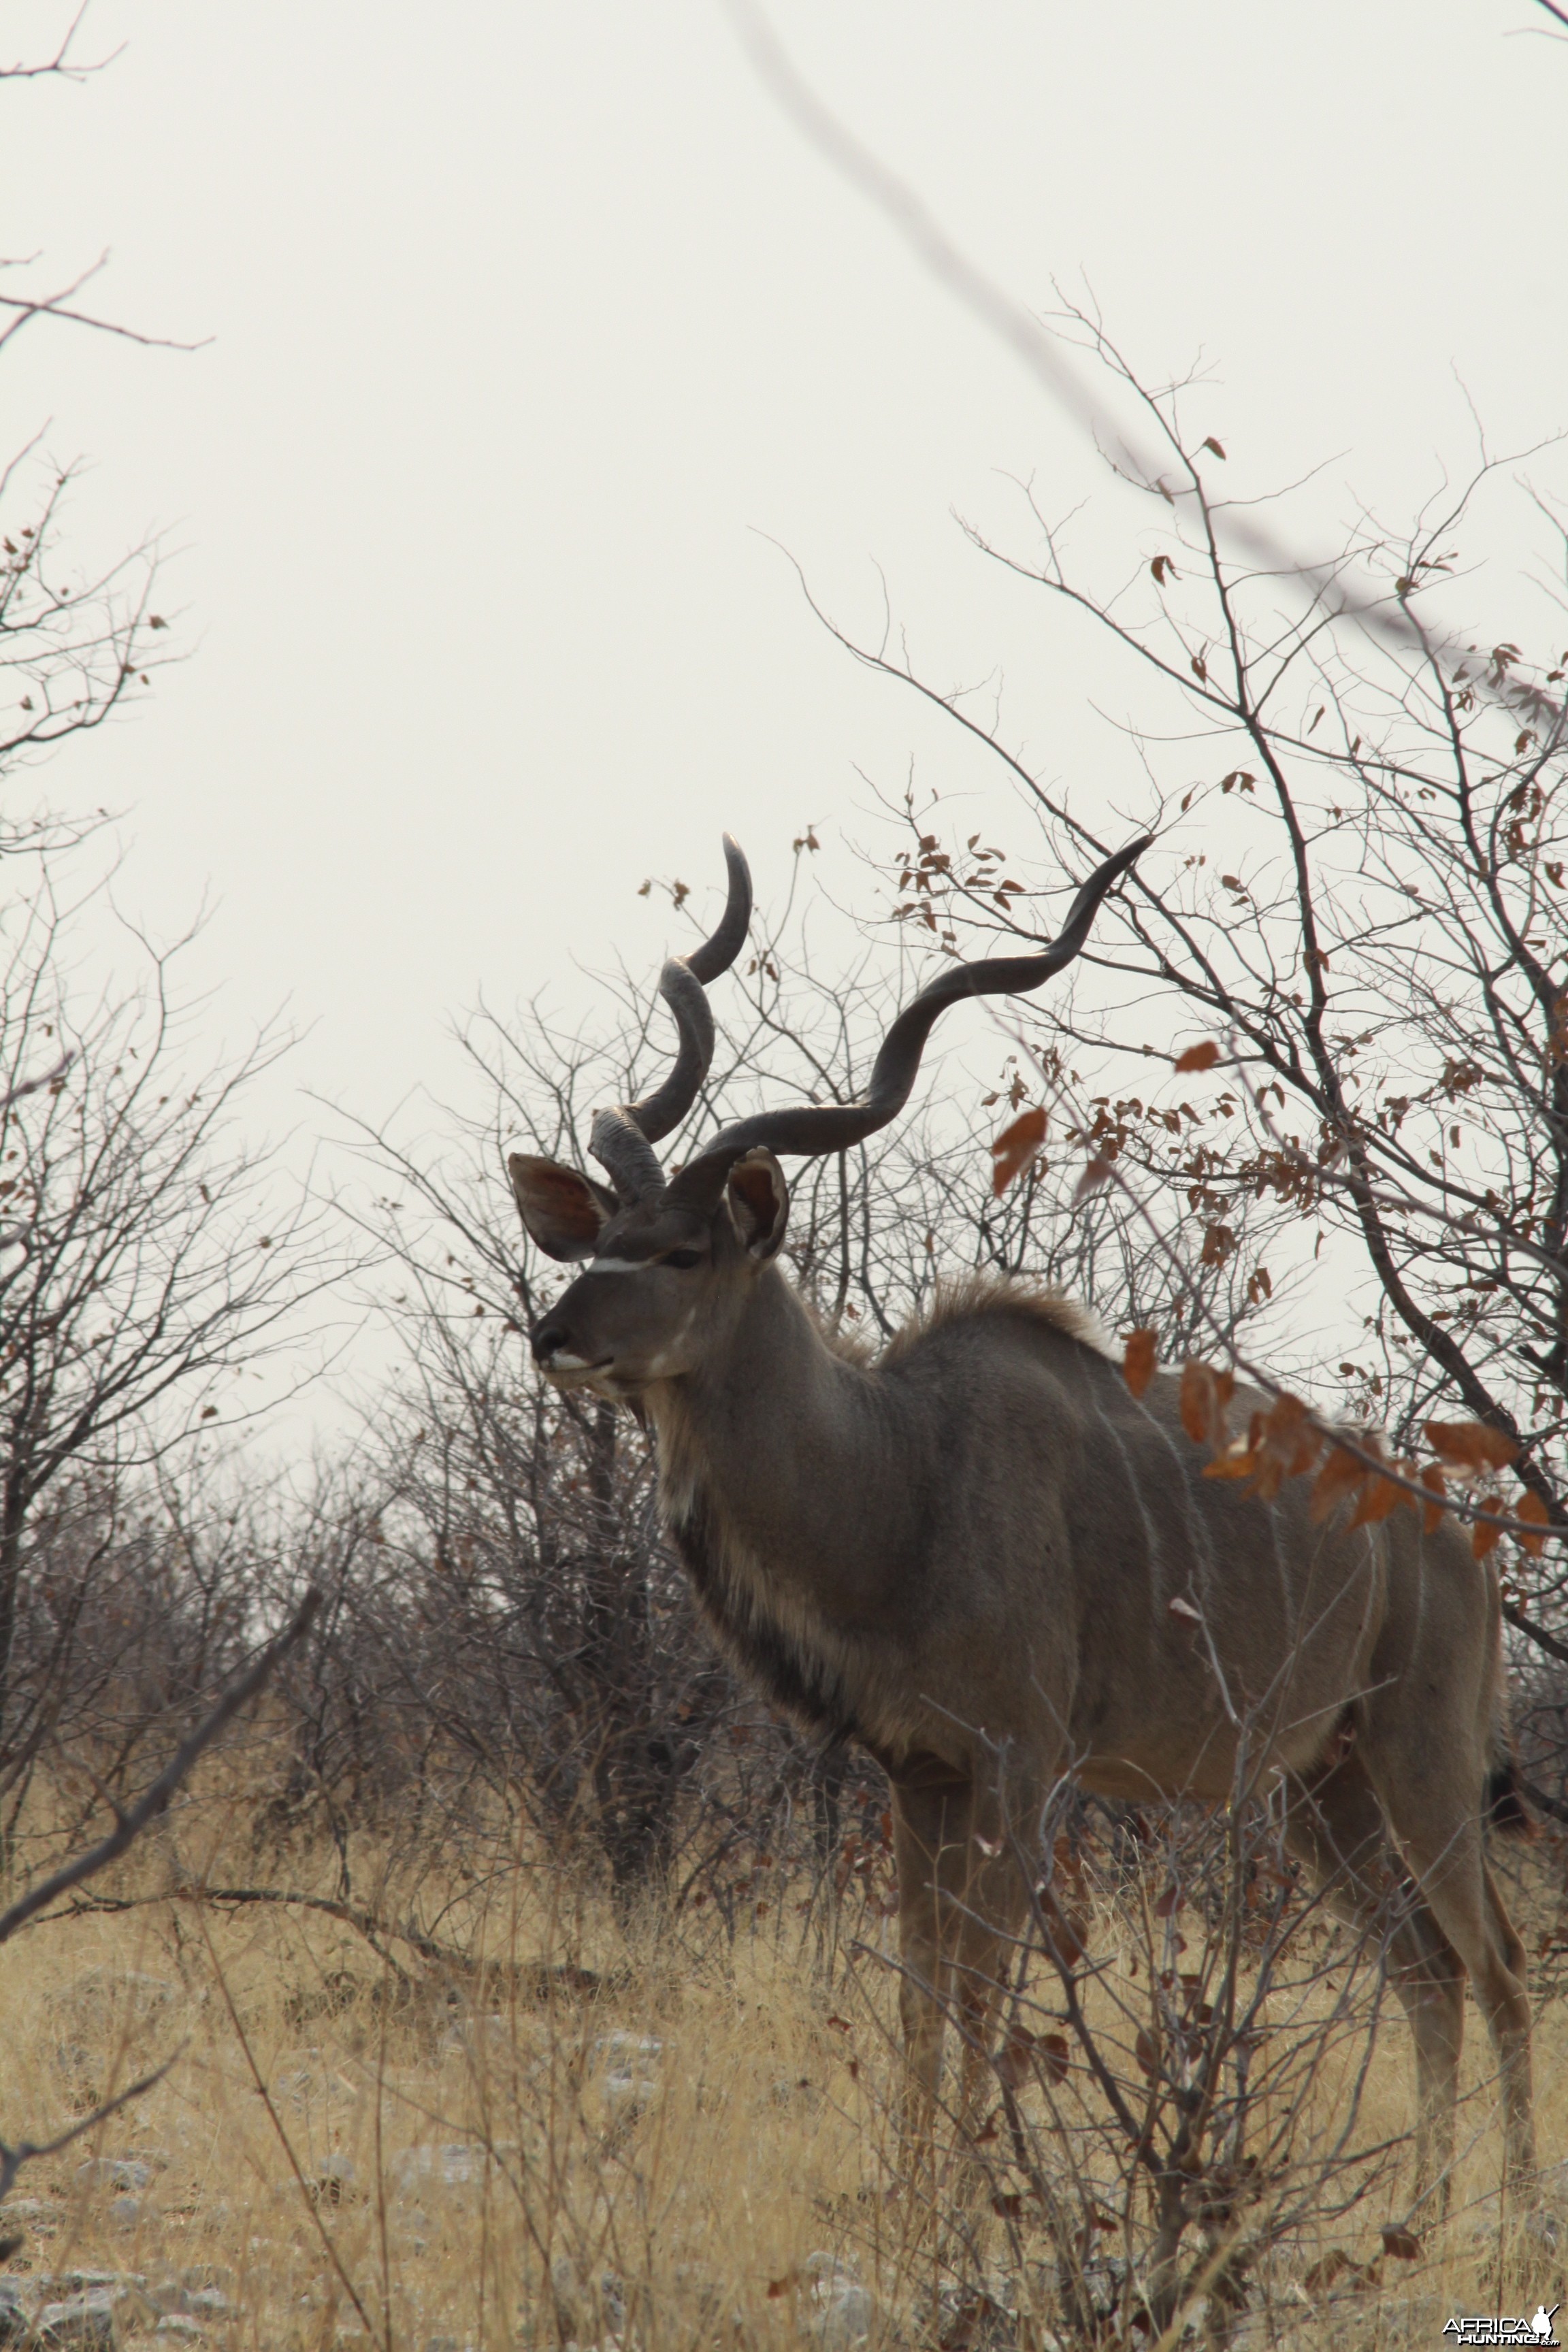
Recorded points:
(682, 1259)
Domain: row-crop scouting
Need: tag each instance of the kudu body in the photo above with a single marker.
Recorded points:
(965, 1556)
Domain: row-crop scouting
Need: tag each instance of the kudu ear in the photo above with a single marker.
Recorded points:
(759, 1202)
(563, 1212)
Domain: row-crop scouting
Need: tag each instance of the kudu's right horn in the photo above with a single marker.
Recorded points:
(811, 1129)
(622, 1140)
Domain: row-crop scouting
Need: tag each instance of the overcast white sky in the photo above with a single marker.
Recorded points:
(534, 325)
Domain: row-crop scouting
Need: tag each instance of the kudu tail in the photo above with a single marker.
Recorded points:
(1504, 1805)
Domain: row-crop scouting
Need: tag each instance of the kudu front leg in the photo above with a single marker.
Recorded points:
(956, 1903)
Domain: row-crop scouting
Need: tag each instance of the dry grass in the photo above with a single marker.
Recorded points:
(677, 2158)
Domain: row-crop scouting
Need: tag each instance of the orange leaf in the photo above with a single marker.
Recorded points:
(1531, 1506)
(1138, 1362)
(1205, 1396)
(1379, 1496)
(1014, 1148)
(1286, 1440)
(1482, 1538)
(1471, 1444)
(1199, 1058)
(1432, 1513)
(1237, 1461)
(1340, 1476)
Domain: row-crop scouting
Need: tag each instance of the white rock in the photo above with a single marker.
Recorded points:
(85, 2320)
(625, 2096)
(622, 2051)
(837, 2311)
(454, 2165)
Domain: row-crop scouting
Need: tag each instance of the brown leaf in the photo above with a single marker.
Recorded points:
(1054, 2055)
(1012, 2061)
(1471, 1444)
(1340, 1476)
(1199, 1058)
(1378, 1498)
(1237, 1461)
(1163, 569)
(1483, 1538)
(1093, 1176)
(1210, 443)
(1286, 1442)
(1531, 1506)
(1146, 2051)
(1169, 1904)
(1016, 1146)
(1403, 2244)
(1138, 1360)
(1178, 1607)
(1205, 1396)
(1432, 1513)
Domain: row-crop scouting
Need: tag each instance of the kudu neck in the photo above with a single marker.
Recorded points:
(793, 1444)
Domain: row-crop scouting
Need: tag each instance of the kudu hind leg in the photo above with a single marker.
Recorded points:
(1336, 1825)
(1435, 1815)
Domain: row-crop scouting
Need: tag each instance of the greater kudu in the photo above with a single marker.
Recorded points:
(970, 1550)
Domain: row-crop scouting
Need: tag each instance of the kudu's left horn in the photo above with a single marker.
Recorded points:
(622, 1140)
(812, 1128)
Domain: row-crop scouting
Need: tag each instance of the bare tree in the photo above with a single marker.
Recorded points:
(1373, 941)
(148, 1253)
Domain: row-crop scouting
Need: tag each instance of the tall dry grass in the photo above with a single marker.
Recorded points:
(659, 2134)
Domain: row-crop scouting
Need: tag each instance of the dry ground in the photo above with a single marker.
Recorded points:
(692, 2151)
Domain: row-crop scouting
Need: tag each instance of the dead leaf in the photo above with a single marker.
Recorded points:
(1471, 1444)
(1378, 1498)
(1210, 443)
(1016, 1146)
(1403, 2244)
(1237, 1461)
(1205, 1396)
(1178, 1607)
(1431, 1513)
(1531, 1506)
(1012, 2061)
(1337, 1479)
(1093, 1177)
(1199, 1058)
(1054, 2055)
(1284, 1442)
(1138, 1360)
(1483, 1538)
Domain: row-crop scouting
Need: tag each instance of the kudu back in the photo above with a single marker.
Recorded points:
(964, 1556)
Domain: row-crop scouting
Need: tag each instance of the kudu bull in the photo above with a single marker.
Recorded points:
(968, 1552)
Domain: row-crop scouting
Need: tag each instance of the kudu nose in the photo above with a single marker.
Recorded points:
(547, 1337)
